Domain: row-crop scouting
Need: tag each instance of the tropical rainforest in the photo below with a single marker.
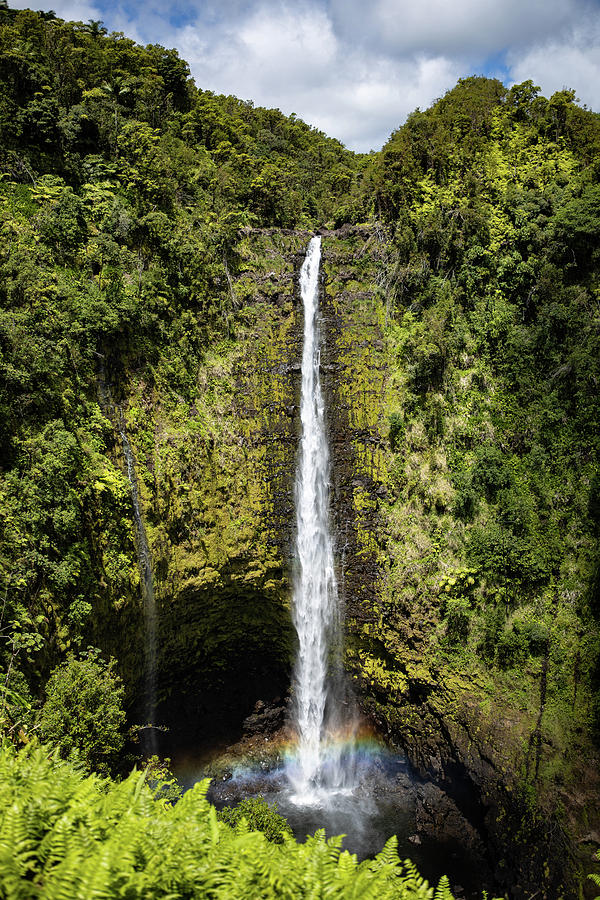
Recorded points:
(152, 233)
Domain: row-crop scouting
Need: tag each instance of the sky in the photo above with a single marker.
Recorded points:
(355, 69)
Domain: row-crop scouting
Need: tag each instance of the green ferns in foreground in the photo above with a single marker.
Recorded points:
(63, 835)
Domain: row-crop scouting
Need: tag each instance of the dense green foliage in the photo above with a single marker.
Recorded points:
(83, 715)
(259, 816)
(123, 188)
(133, 273)
(486, 297)
(97, 108)
(492, 198)
(66, 836)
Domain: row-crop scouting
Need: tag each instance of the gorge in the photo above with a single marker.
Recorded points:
(155, 524)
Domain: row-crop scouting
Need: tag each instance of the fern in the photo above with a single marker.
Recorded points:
(64, 836)
(596, 878)
(443, 890)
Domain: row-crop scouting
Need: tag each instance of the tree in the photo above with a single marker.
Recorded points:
(83, 714)
(95, 28)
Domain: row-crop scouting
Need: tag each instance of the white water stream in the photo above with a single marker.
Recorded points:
(323, 763)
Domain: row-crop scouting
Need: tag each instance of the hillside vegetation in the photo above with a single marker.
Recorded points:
(150, 237)
(477, 445)
(124, 188)
(492, 324)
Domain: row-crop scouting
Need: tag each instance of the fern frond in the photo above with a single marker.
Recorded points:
(443, 891)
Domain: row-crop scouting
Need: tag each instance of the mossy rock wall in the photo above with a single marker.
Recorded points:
(354, 381)
(215, 478)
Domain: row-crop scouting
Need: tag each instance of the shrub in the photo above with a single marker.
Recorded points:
(493, 624)
(83, 715)
(396, 430)
(511, 648)
(535, 635)
(161, 781)
(466, 498)
(64, 226)
(490, 472)
(458, 618)
(259, 816)
(426, 365)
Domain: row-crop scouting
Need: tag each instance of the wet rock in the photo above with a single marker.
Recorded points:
(402, 784)
(593, 837)
(266, 719)
(438, 816)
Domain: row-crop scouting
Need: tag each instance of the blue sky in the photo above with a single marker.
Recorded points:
(356, 69)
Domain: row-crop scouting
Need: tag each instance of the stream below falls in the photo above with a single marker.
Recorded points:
(387, 800)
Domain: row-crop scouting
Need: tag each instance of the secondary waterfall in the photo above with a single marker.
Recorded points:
(323, 762)
(145, 565)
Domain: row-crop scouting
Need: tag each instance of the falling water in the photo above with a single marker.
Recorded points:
(321, 766)
(145, 566)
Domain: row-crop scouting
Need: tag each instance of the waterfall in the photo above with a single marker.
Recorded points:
(322, 763)
(145, 565)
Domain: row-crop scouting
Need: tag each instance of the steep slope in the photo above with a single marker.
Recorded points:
(467, 337)
(139, 293)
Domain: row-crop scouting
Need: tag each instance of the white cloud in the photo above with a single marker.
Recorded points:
(372, 98)
(267, 50)
(291, 58)
(476, 27)
(291, 43)
(555, 65)
(70, 10)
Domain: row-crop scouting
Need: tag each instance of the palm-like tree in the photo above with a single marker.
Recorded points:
(95, 28)
(116, 88)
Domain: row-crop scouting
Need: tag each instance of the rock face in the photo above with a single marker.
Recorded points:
(216, 482)
(353, 383)
(266, 718)
(438, 817)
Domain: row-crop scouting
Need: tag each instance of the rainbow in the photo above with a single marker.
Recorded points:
(269, 761)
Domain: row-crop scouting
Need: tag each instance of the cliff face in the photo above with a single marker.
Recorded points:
(216, 482)
(355, 382)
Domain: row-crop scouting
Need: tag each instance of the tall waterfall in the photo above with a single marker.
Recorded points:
(321, 764)
(145, 565)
